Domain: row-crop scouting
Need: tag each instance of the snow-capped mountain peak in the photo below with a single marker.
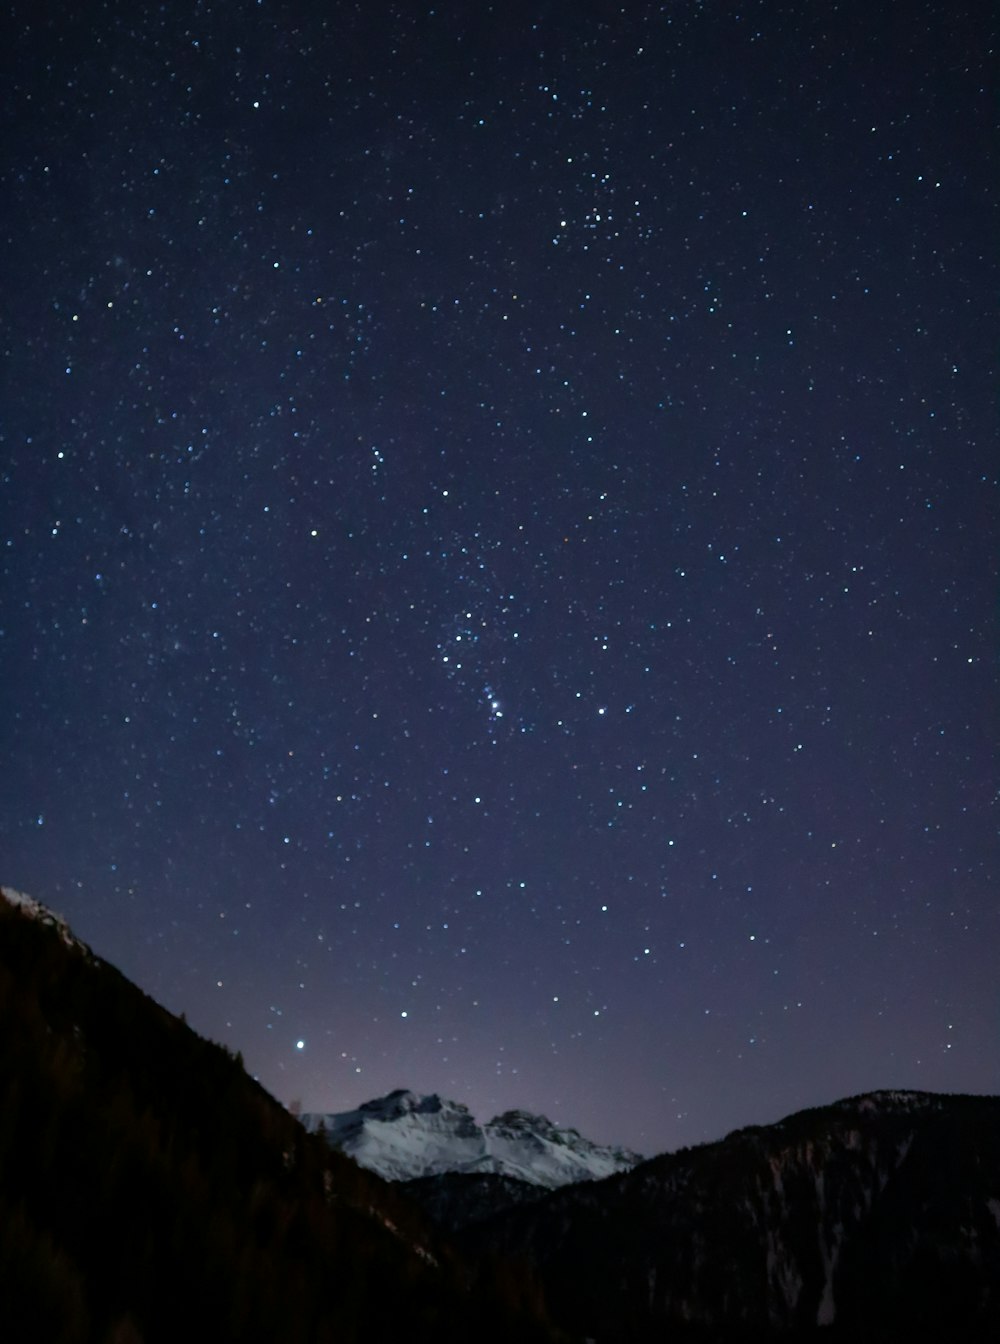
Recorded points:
(405, 1135)
(401, 1103)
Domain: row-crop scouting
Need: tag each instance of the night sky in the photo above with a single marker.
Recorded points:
(498, 542)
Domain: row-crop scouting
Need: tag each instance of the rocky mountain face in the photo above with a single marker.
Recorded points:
(877, 1218)
(404, 1136)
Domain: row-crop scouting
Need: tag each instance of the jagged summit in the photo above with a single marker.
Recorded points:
(406, 1135)
(518, 1120)
(402, 1102)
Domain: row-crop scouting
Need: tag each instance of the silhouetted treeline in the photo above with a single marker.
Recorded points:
(151, 1192)
(869, 1221)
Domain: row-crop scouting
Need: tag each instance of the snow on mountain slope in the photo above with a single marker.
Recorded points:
(403, 1135)
(35, 910)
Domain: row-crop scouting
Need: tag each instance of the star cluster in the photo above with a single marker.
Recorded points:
(498, 549)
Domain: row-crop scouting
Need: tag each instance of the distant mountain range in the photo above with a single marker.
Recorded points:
(877, 1211)
(151, 1191)
(403, 1136)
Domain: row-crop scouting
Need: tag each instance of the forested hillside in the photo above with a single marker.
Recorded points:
(151, 1191)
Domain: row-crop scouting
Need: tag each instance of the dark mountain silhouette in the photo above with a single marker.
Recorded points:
(150, 1191)
(457, 1201)
(874, 1219)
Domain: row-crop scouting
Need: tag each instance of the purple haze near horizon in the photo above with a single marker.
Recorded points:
(499, 543)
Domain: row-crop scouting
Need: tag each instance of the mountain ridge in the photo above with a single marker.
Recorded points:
(49, 918)
(871, 1217)
(150, 1190)
(406, 1136)
(146, 1182)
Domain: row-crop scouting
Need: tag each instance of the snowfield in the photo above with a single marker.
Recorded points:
(404, 1135)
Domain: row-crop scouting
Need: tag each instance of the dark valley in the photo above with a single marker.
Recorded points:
(151, 1191)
